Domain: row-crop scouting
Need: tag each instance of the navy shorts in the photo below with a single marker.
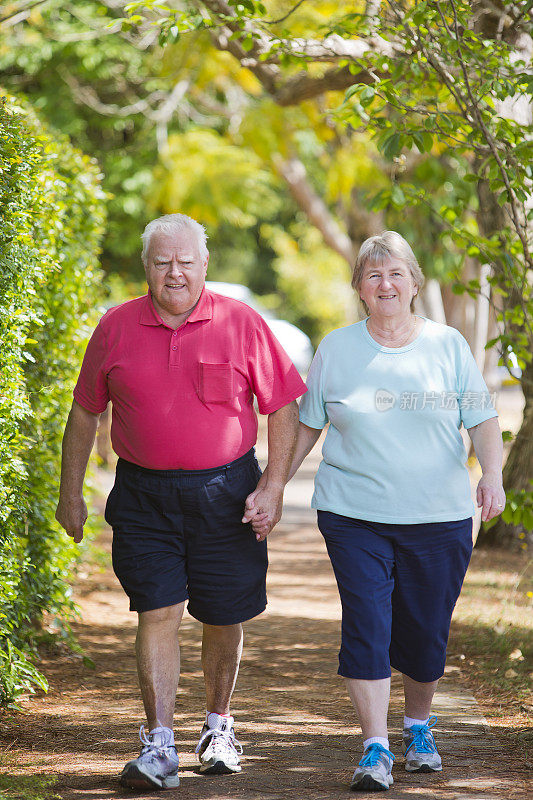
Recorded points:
(398, 586)
(178, 534)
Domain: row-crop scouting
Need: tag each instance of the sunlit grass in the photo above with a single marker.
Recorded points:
(24, 787)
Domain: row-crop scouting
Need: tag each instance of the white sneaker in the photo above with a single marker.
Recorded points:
(420, 750)
(157, 765)
(373, 773)
(218, 749)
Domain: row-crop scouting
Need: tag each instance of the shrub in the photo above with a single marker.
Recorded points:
(52, 222)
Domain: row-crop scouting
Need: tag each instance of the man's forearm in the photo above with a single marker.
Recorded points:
(307, 438)
(80, 432)
(78, 440)
(282, 432)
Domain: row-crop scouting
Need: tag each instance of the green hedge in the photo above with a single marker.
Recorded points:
(51, 208)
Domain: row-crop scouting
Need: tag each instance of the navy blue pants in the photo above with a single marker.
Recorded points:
(398, 586)
(178, 534)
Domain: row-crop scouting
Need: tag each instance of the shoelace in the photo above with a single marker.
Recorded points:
(372, 754)
(225, 737)
(148, 744)
(423, 740)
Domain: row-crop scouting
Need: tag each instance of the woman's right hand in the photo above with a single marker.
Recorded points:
(490, 495)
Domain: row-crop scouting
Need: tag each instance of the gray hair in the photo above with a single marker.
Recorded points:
(175, 223)
(378, 249)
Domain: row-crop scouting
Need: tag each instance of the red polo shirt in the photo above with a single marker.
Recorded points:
(184, 399)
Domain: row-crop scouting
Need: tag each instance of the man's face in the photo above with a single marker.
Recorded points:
(175, 273)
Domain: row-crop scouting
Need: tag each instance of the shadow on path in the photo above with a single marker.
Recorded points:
(292, 715)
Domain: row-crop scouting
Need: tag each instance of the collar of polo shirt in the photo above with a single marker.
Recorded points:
(203, 310)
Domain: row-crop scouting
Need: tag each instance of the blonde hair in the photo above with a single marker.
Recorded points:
(381, 248)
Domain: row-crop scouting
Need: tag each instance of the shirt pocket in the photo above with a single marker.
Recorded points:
(216, 382)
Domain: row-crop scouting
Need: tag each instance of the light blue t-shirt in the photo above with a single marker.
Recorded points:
(393, 452)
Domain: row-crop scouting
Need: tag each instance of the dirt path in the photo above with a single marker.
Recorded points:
(293, 717)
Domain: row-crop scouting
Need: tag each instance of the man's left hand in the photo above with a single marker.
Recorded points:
(263, 509)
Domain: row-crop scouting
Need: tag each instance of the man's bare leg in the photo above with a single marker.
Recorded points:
(158, 663)
(221, 655)
(218, 750)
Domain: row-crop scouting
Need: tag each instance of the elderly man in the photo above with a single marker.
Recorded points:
(181, 366)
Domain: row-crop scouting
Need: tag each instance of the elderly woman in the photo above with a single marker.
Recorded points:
(393, 494)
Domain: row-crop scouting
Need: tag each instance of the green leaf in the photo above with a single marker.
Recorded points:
(397, 196)
(427, 138)
(247, 43)
(355, 89)
(367, 96)
(391, 146)
(507, 515)
(527, 519)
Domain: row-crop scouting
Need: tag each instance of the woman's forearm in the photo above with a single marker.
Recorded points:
(487, 440)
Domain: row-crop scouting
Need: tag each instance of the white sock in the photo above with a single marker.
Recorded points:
(382, 740)
(214, 720)
(408, 722)
(162, 737)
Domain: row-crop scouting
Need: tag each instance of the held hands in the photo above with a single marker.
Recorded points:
(263, 508)
(72, 515)
(490, 495)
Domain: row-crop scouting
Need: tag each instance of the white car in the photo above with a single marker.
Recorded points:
(295, 342)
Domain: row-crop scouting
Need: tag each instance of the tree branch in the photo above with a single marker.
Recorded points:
(86, 95)
(305, 87)
(287, 15)
(492, 145)
(331, 48)
(263, 57)
(148, 37)
(20, 14)
(294, 173)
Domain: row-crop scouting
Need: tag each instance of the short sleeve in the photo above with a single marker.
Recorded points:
(475, 402)
(313, 406)
(91, 390)
(274, 379)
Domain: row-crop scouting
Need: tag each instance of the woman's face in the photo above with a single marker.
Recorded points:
(388, 288)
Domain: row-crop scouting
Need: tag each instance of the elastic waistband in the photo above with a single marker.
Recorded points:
(128, 466)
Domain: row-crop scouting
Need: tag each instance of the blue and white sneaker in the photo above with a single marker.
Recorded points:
(157, 765)
(218, 750)
(419, 748)
(373, 773)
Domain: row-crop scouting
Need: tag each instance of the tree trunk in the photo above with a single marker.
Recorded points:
(481, 325)
(519, 466)
(518, 469)
(432, 296)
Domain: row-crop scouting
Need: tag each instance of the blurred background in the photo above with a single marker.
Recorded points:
(293, 131)
(286, 189)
